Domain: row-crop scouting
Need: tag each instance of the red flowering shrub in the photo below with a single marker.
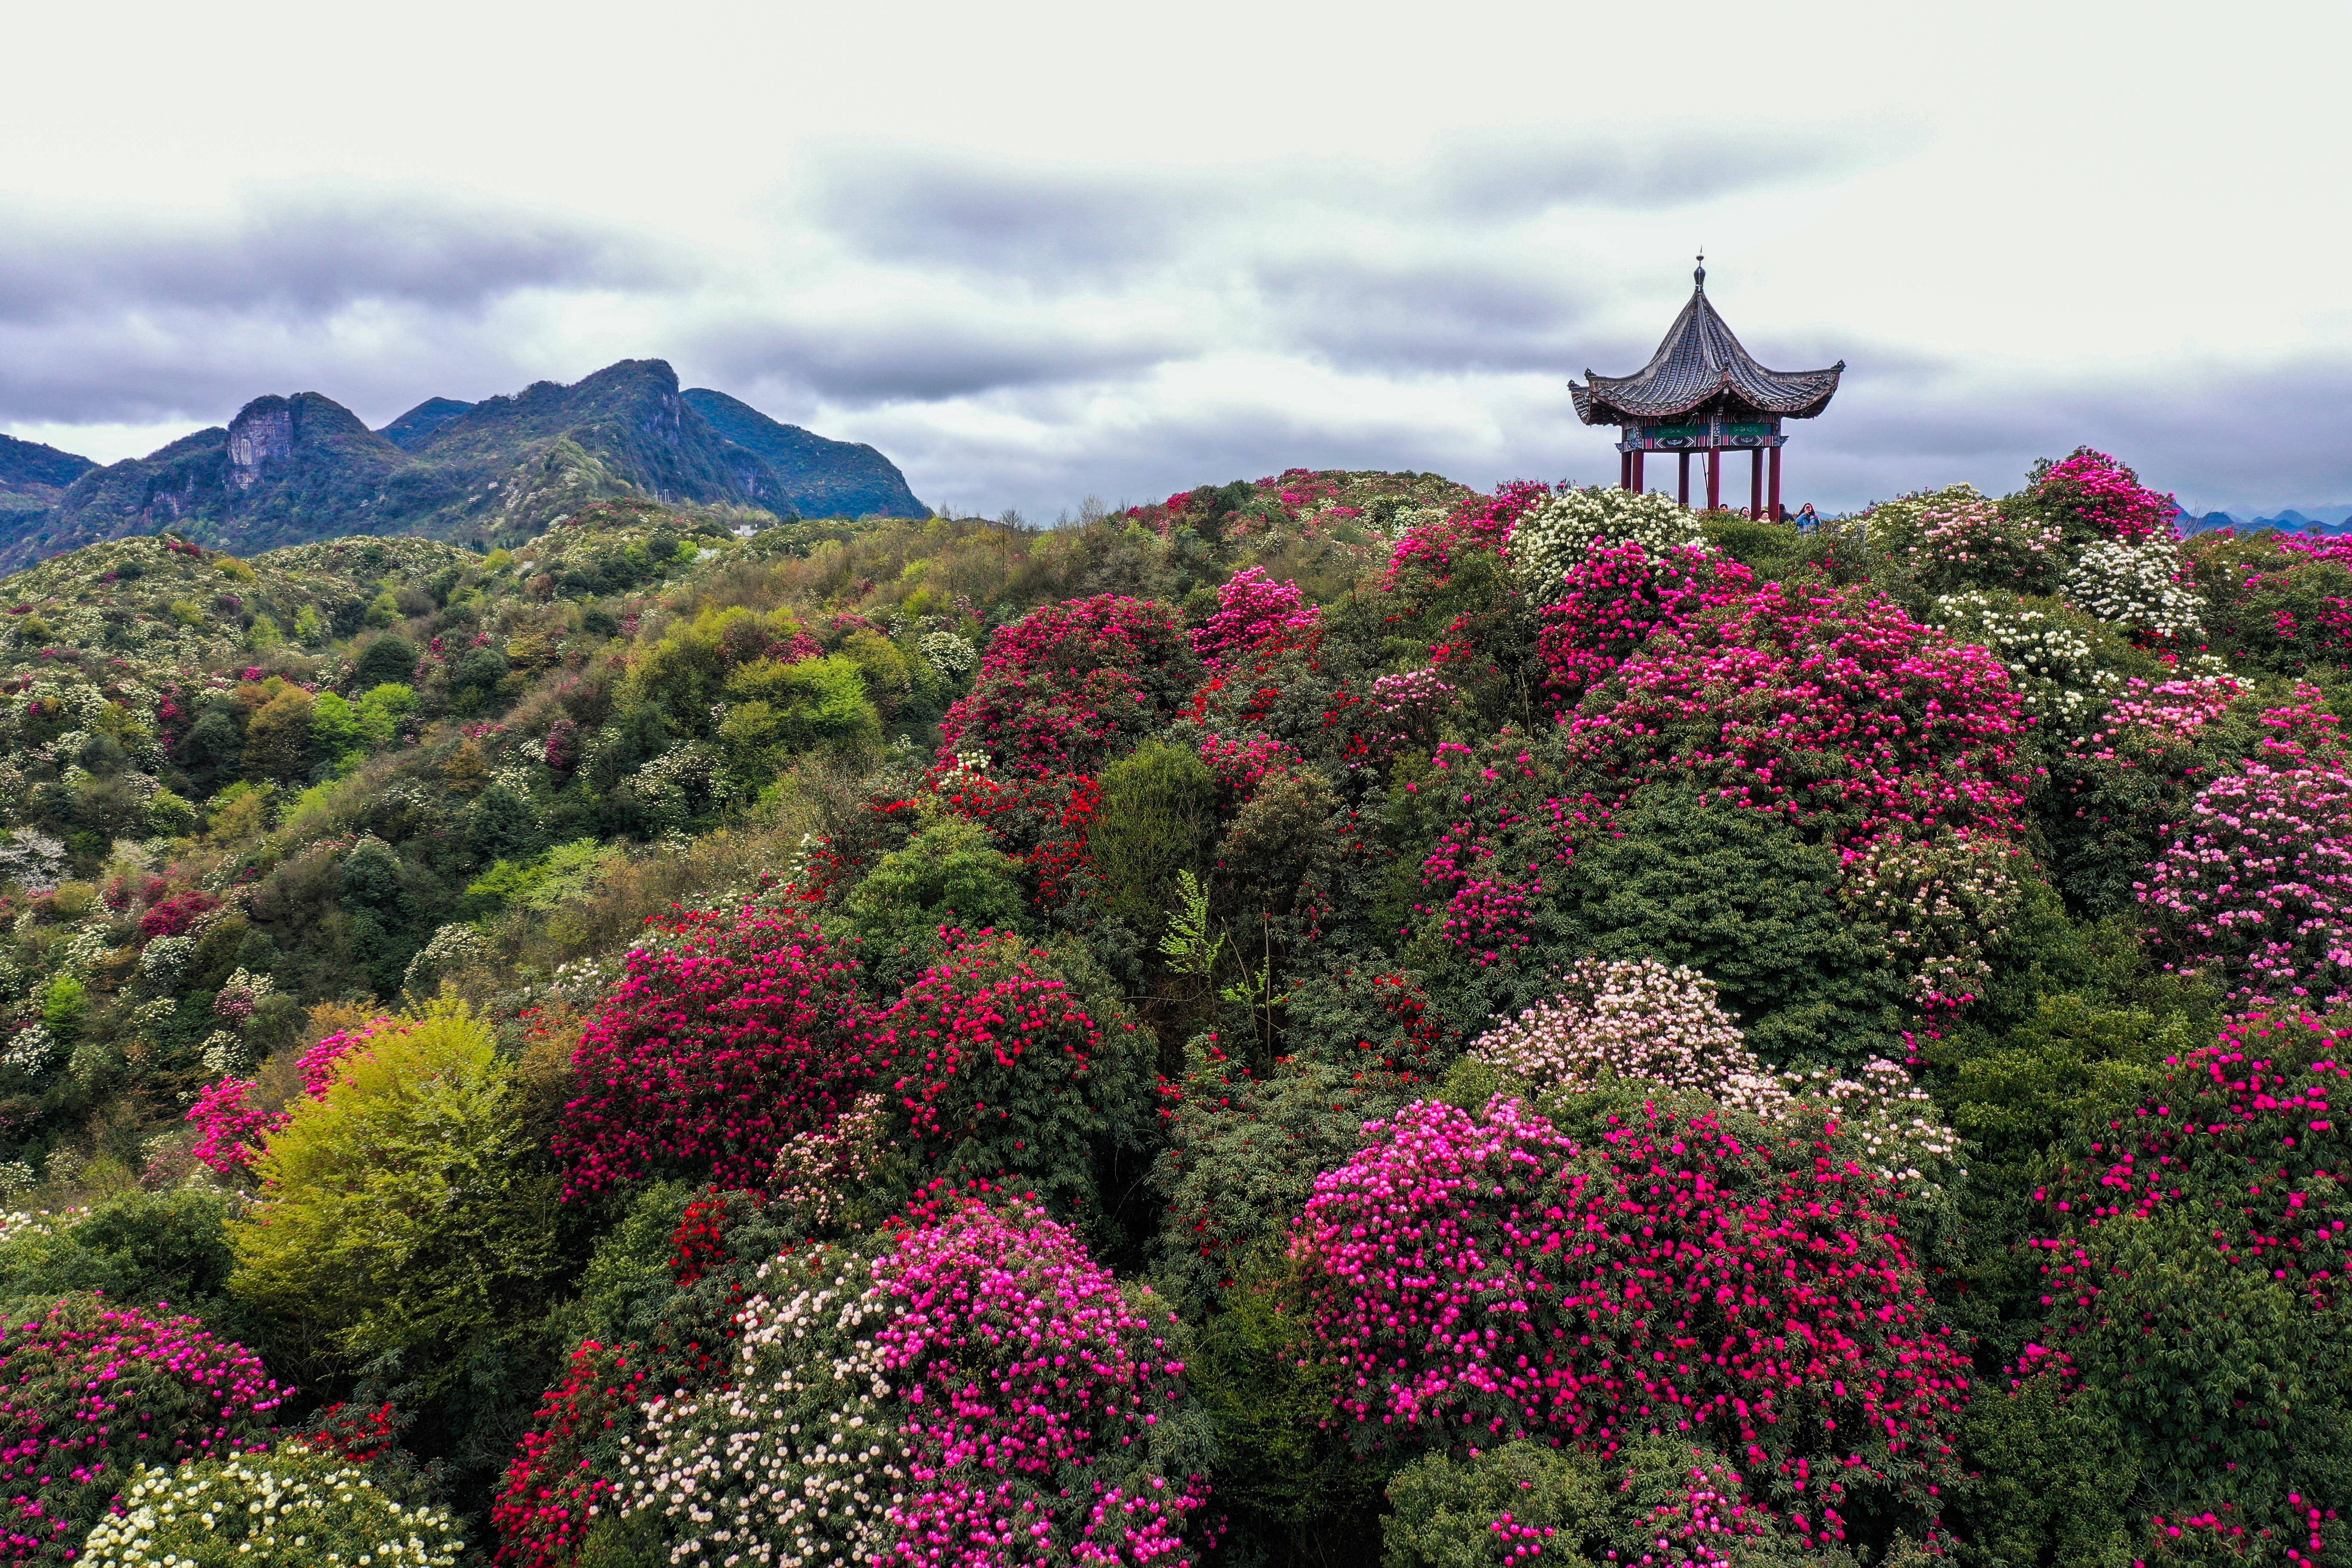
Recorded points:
(88, 1394)
(1616, 596)
(1506, 826)
(711, 1052)
(1831, 709)
(1480, 523)
(173, 916)
(2195, 1254)
(999, 1069)
(1485, 1279)
(1252, 610)
(1039, 819)
(569, 1461)
(1066, 684)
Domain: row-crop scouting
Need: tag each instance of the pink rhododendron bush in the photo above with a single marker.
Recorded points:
(1483, 1278)
(1067, 684)
(90, 1393)
(2190, 1259)
(974, 1390)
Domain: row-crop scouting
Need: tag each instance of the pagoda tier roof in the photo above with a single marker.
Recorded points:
(1701, 365)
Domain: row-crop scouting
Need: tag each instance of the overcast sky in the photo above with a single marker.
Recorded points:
(1036, 252)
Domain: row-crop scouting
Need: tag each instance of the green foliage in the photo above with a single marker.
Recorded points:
(389, 660)
(402, 1210)
(947, 874)
(138, 1249)
(1749, 903)
(1155, 822)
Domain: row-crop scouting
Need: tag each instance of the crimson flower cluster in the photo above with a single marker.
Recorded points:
(1831, 708)
(1483, 1279)
(555, 1485)
(713, 1051)
(88, 1394)
(1617, 597)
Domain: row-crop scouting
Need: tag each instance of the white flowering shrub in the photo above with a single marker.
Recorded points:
(1884, 1122)
(293, 1504)
(452, 948)
(951, 656)
(2049, 649)
(161, 960)
(797, 1463)
(29, 1049)
(1940, 903)
(1631, 1018)
(1559, 531)
(2143, 586)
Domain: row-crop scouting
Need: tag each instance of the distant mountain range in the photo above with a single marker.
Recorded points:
(2290, 520)
(288, 470)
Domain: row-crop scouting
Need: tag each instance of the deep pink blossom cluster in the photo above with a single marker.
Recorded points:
(1253, 610)
(1482, 523)
(1021, 1369)
(1061, 686)
(1242, 765)
(711, 1053)
(1617, 597)
(231, 1126)
(2096, 496)
(2255, 889)
(88, 1393)
(1506, 836)
(1830, 708)
(1481, 1277)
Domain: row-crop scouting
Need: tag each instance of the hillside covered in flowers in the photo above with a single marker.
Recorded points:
(1326, 1020)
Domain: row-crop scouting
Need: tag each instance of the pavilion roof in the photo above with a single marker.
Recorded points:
(1699, 364)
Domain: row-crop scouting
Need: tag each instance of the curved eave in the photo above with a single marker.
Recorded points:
(1595, 406)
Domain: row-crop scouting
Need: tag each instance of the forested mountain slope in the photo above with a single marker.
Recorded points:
(1324, 1020)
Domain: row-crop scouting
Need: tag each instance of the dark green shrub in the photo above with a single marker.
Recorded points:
(1157, 817)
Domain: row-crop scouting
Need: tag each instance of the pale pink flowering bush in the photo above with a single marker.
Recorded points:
(2255, 889)
(1956, 539)
(816, 1172)
(1631, 1018)
(1252, 610)
(1476, 1279)
(1941, 904)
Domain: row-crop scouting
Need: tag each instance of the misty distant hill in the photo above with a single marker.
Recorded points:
(289, 470)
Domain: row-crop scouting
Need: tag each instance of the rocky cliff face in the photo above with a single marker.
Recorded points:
(261, 434)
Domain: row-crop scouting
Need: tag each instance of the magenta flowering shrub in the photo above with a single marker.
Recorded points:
(2254, 889)
(1482, 1279)
(1506, 834)
(2194, 1252)
(88, 1394)
(1253, 610)
(711, 1053)
(995, 1067)
(1068, 684)
(1831, 709)
(1482, 523)
(2092, 497)
(1040, 1407)
(231, 1121)
(1616, 596)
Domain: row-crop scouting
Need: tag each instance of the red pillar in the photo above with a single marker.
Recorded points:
(1682, 484)
(1625, 470)
(1714, 478)
(1775, 465)
(1755, 484)
(1638, 455)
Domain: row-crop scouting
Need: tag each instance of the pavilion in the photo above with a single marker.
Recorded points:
(1701, 393)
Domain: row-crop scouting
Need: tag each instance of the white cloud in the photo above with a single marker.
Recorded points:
(1040, 251)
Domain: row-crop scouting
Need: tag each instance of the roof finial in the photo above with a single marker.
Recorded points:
(1698, 274)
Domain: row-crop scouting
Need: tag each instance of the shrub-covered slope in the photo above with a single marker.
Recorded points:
(1324, 1019)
